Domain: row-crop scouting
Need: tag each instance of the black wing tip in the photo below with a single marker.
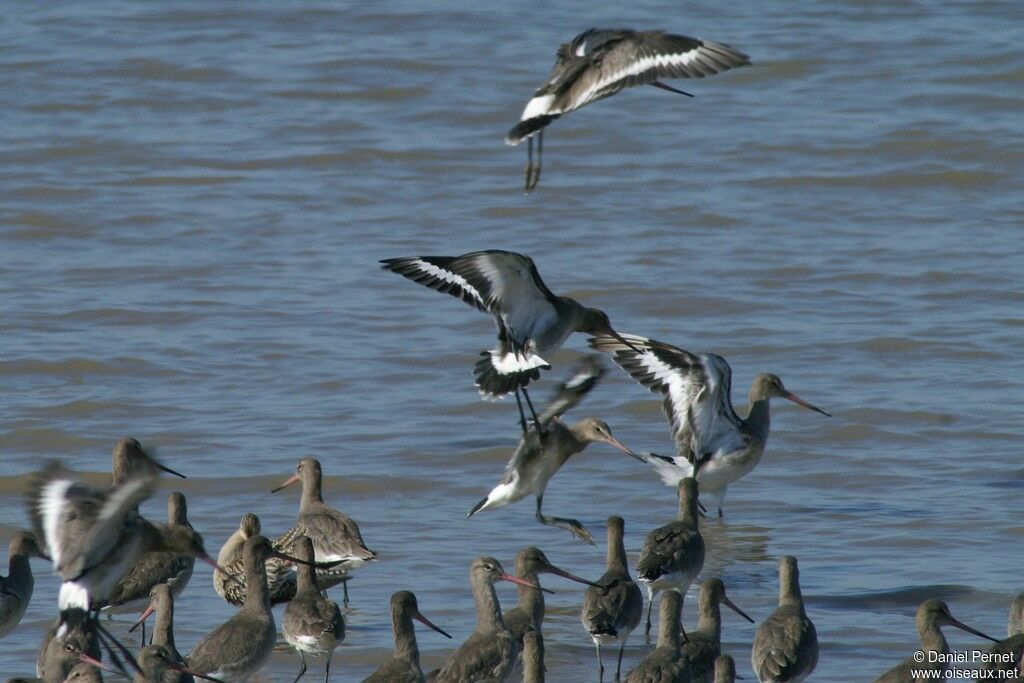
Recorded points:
(476, 508)
(525, 129)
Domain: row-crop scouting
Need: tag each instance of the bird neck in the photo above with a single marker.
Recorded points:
(688, 511)
(19, 576)
(709, 622)
(163, 629)
(531, 600)
(488, 612)
(311, 495)
(405, 638)
(789, 591)
(668, 630)
(758, 419)
(931, 637)
(616, 558)
(257, 593)
(306, 579)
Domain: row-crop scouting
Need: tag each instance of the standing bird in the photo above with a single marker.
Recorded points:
(786, 644)
(931, 616)
(665, 663)
(161, 602)
(130, 457)
(335, 536)
(489, 654)
(612, 610)
(1010, 648)
(16, 587)
(404, 665)
(237, 649)
(156, 662)
(528, 614)
(704, 644)
(716, 446)
(600, 62)
(312, 623)
(94, 536)
(673, 555)
(230, 583)
(62, 646)
(132, 592)
(532, 322)
(536, 460)
(533, 657)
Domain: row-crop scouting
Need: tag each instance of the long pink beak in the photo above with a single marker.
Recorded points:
(800, 402)
(622, 447)
(213, 563)
(145, 615)
(964, 627)
(287, 482)
(523, 582)
(423, 620)
(82, 657)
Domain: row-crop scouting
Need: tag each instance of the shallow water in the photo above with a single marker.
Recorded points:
(195, 198)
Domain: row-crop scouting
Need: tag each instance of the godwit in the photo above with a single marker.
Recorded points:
(58, 654)
(16, 587)
(931, 616)
(312, 624)
(600, 62)
(489, 654)
(533, 657)
(230, 583)
(132, 592)
(238, 648)
(536, 460)
(129, 457)
(725, 669)
(704, 644)
(532, 322)
(715, 445)
(613, 609)
(673, 555)
(84, 673)
(528, 614)
(1011, 648)
(161, 602)
(786, 644)
(665, 663)
(335, 536)
(404, 665)
(94, 536)
(156, 662)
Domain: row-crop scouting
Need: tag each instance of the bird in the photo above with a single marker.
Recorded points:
(715, 445)
(533, 657)
(673, 555)
(537, 459)
(161, 602)
(230, 583)
(238, 648)
(932, 614)
(785, 646)
(62, 645)
(335, 536)
(132, 591)
(489, 654)
(725, 669)
(528, 614)
(665, 663)
(312, 623)
(598, 63)
(613, 608)
(404, 665)
(1009, 649)
(532, 322)
(16, 587)
(129, 457)
(156, 662)
(704, 644)
(93, 536)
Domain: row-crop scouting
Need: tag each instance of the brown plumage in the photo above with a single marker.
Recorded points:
(16, 588)
(664, 664)
(528, 614)
(533, 657)
(404, 665)
(613, 608)
(230, 583)
(704, 644)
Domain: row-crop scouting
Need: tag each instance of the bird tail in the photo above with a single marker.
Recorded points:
(669, 470)
(499, 373)
(525, 129)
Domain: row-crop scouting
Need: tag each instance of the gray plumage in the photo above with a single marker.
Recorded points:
(58, 654)
(725, 669)
(161, 600)
(312, 623)
(528, 614)
(16, 588)
(404, 665)
(785, 646)
(230, 583)
(613, 608)
(1012, 645)
(704, 644)
(533, 657)
(673, 555)
(664, 664)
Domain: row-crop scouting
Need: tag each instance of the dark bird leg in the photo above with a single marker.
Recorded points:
(344, 600)
(573, 526)
(659, 84)
(327, 673)
(533, 170)
(533, 412)
(522, 415)
(650, 603)
(110, 643)
(302, 667)
(600, 664)
(618, 667)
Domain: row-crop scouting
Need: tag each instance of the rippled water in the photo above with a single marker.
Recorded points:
(194, 199)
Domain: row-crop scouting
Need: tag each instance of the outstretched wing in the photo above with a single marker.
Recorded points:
(696, 390)
(584, 377)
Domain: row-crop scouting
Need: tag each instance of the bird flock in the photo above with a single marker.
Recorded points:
(111, 560)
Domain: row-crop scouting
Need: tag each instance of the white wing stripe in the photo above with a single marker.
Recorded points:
(538, 106)
(52, 499)
(640, 66)
(449, 276)
(511, 363)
